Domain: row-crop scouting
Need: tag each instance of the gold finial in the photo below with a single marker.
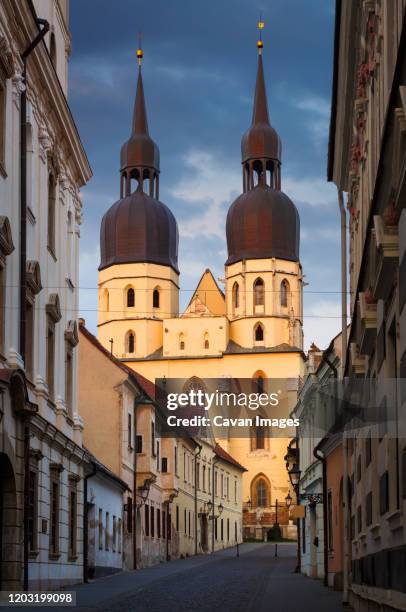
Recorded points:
(260, 44)
(140, 52)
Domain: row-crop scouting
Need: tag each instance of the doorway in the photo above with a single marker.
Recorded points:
(9, 553)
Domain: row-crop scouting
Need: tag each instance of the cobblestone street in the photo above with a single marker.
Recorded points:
(255, 581)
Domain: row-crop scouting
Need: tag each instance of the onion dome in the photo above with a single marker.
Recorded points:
(138, 227)
(262, 222)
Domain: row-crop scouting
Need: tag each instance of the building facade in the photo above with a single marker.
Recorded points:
(41, 451)
(251, 330)
(367, 160)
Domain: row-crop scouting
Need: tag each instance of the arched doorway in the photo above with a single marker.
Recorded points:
(9, 552)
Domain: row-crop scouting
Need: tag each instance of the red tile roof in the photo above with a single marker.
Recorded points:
(222, 454)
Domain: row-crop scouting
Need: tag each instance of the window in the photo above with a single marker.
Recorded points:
(259, 333)
(304, 535)
(129, 515)
(155, 298)
(29, 338)
(368, 450)
(129, 433)
(51, 212)
(236, 295)
(2, 124)
(119, 529)
(114, 533)
(259, 438)
(157, 455)
(32, 510)
(259, 292)
(368, 509)
(189, 524)
(215, 527)
(130, 342)
(209, 480)
(206, 341)
(222, 529)
(204, 478)
(222, 485)
(197, 475)
(73, 512)
(177, 518)
(130, 298)
(106, 531)
(284, 293)
(153, 438)
(139, 443)
(260, 493)
(100, 525)
(176, 460)
(146, 516)
(54, 511)
(163, 524)
(330, 520)
(181, 342)
(235, 491)
(184, 516)
(158, 522)
(50, 366)
(152, 521)
(69, 377)
(228, 530)
(384, 493)
(52, 49)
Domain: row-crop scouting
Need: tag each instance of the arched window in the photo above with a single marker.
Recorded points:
(236, 295)
(258, 382)
(155, 298)
(181, 342)
(130, 298)
(259, 292)
(206, 341)
(262, 493)
(284, 292)
(105, 300)
(259, 333)
(130, 344)
(259, 437)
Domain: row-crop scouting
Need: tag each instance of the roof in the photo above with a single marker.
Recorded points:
(100, 467)
(222, 454)
(209, 293)
(146, 386)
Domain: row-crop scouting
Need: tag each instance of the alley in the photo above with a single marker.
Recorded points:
(255, 580)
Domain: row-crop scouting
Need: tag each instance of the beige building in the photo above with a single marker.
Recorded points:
(367, 160)
(251, 330)
(41, 453)
(170, 503)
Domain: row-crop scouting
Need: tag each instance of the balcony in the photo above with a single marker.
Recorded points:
(357, 361)
(387, 242)
(367, 310)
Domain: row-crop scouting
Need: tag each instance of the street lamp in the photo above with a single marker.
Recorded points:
(294, 477)
(288, 500)
(249, 504)
(209, 506)
(220, 508)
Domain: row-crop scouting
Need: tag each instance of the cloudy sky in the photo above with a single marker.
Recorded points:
(199, 74)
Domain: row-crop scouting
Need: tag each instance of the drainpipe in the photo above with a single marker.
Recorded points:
(23, 275)
(196, 456)
(86, 525)
(343, 360)
(214, 463)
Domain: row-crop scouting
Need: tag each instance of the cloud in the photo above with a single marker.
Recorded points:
(312, 191)
(317, 118)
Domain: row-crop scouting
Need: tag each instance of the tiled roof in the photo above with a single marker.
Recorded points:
(222, 454)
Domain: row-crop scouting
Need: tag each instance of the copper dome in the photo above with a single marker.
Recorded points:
(262, 223)
(139, 228)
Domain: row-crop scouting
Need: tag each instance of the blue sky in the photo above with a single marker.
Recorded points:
(199, 74)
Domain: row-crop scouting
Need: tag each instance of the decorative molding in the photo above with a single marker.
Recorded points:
(6, 239)
(7, 66)
(53, 308)
(33, 276)
(71, 332)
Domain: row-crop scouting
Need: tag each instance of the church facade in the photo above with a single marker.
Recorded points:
(251, 329)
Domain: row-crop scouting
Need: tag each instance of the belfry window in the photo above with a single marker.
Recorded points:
(130, 342)
(284, 293)
(130, 298)
(236, 295)
(259, 292)
(206, 341)
(155, 298)
(259, 333)
(181, 342)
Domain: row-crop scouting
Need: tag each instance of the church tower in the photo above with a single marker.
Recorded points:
(138, 272)
(263, 271)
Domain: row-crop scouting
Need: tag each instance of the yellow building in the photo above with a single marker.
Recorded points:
(251, 330)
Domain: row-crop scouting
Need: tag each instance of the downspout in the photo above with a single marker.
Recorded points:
(215, 462)
(86, 525)
(343, 362)
(23, 274)
(137, 401)
(196, 456)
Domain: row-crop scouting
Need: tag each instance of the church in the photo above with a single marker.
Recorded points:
(249, 329)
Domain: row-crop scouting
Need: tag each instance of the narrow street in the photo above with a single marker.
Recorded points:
(255, 581)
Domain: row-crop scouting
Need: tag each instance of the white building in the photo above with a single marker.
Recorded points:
(39, 420)
(105, 515)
